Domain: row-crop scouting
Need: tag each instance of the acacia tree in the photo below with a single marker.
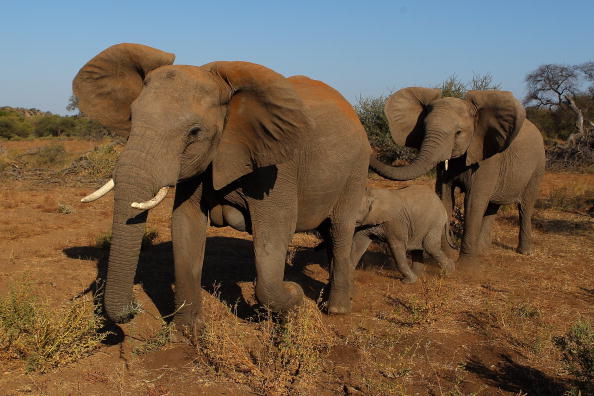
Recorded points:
(553, 86)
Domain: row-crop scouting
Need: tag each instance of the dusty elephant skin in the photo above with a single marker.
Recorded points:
(411, 218)
(482, 144)
(255, 150)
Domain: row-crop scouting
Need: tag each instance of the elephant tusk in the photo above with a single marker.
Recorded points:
(107, 187)
(156, 200)
(446, 165)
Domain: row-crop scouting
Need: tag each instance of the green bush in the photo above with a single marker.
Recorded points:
(52, 155)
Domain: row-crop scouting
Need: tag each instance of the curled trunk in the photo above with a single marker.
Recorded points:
(432, 152)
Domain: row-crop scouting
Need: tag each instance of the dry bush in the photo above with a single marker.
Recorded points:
(98, 163)
(519, 325)
(577, 348)
(45, 337)
(576, 197)
(270, 356)
(53, 155)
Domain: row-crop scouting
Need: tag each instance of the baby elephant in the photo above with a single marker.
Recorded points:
(411, 218)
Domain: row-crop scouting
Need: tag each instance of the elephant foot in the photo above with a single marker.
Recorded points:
(527, 251)
(409, 279)
(448, 267)
(467, 261)
(339, 303)
(290, 296)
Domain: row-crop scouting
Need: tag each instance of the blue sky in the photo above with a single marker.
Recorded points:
(358, 47)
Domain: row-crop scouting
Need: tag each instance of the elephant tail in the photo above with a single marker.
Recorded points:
(449, 235)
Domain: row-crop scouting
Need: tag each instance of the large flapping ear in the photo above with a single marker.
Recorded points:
(108, 84)
(405, 110)
(264, 117)
(498, 119)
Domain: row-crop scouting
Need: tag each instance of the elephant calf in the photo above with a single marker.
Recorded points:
(411, 218)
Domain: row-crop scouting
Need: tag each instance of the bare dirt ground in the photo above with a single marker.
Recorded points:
(485, 331)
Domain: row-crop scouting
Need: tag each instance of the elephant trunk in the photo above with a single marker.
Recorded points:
(127, 231)
(433, 150)
(135, 181)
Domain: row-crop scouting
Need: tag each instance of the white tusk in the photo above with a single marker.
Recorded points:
(156, 200)
(446, 165)
(107, 187)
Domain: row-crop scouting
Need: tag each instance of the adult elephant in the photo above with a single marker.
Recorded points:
(482, 144)
(265, 153)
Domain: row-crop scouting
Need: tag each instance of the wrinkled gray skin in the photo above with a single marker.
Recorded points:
(496, 156)
(411, 218)
(244, 146)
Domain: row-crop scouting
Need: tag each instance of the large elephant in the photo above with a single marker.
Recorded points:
(482, 144)
(241, 143)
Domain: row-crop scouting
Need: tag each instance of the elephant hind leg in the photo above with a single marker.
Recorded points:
(398, 250)
(432, 245)
(525, 210)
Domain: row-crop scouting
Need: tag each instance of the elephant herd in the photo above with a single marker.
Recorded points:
(248, 148)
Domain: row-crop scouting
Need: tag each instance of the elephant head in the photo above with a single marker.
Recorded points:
(181, 121)
(480, 125)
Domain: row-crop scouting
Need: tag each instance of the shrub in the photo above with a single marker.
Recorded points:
(371, 113)
(52, 155)
(270, 356)
(577, 348)
(44, 337)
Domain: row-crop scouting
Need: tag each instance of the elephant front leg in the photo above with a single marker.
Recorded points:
(272, 229)
(189, 239)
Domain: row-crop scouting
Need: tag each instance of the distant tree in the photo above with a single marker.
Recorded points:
(554, 86)
(72, 103)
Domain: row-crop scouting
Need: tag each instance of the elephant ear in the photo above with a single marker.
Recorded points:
(405, 110)
(108, 84)
(263, 123)
(498, 119)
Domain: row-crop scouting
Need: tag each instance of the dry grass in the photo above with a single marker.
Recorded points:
(44, 337)
(576, 197)
(269, 355)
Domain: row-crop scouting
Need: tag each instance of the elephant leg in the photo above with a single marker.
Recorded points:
(432, 245)
(273, 224)
(485, 234)
(475, 206)
(398, 250)
(189, 224)
(361, 242)
(446, 193)
(525, 209)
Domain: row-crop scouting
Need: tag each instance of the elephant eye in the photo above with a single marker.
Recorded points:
(194, 131)
(458, 132)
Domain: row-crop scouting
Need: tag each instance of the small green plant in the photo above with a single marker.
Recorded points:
(101, 162)
(65, 209)
(160, 339)
(43, 336)
(577, 348)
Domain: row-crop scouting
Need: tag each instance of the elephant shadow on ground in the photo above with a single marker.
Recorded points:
(228, 262)
(556, 226)
(514, 377)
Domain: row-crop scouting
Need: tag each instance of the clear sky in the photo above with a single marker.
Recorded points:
(358, 47)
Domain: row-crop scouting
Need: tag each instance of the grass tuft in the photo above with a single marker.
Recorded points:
(44, 337)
